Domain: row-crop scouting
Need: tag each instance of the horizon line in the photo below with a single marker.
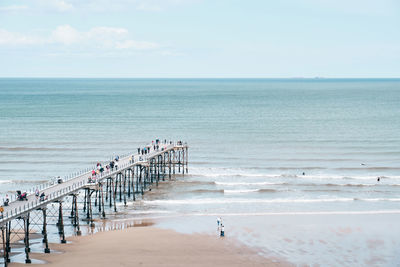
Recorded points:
(265, 78)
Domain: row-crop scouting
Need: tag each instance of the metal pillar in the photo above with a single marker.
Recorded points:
(169, 164)
(44, 231)
(4, 246)
(115, 194)
(187, 160)
(140, 180)
(183, 161)
(107, 181)
(120, 186)
(110, 190)
(129, 182)
(8, 243)
(84, 202)
(26, 239)
(133, 184)
(90, 208)
(61, 224)
(102, 200)
(174, 160)
(76, 224)
(124, 187)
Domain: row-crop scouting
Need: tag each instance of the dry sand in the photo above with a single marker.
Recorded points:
(150, 246)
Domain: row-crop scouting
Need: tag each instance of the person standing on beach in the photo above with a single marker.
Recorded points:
(222, 234)
(218, 221)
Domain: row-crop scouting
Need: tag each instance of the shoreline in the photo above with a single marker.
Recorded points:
(151, 246)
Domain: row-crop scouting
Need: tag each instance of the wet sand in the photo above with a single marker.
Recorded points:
(150, 246)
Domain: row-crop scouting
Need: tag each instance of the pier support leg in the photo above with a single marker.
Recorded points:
(84, 202)
(102, 201)
(98, 195)
(3, 232)
(110, 190)
(124, 188)
(107, 189)
(61, 224)
(26, 239)
(95, 200)
(158, 169)
(169, 165)
(8, 243)
(44, 231)
(120, 187)
(173, 161)
(129, 182)
(90, 208)
(115, 195)
(133, 184)
(141, 181)
(179, 161)
(88, 203)
(187, 160)
(78, 229)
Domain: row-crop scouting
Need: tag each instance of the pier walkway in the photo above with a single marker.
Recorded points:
(135, 172)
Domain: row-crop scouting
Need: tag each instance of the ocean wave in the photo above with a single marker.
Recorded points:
(243, 201)
(247, 183)
(207, 191)
(23, 181)
(298, 213)
(240, 191)
(250, 201)
(247, 172)
(4, 148)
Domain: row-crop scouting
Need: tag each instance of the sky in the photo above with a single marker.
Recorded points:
(200, 38)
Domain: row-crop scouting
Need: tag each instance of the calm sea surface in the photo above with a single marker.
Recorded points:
(250, 143)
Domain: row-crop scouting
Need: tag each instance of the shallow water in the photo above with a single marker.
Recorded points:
(250, 143)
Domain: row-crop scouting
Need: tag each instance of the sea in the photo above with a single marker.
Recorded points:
(305, 171)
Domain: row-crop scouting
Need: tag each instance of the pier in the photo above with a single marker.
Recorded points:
(63, 198)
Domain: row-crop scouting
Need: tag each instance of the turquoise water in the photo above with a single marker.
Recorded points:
(250, 142)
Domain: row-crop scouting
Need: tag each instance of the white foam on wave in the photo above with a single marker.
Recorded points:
(299, 213)
(242, 200)
(6, 181)
(246, 183)
(240, 191)
(266, 201)
(243, 172)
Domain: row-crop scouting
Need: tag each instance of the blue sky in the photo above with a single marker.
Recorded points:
(200, 38)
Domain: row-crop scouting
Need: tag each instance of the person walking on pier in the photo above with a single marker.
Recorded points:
(116, 165)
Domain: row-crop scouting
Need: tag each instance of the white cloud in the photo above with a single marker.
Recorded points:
(11, 38)
(65, 34)
(105, 38)
(13, 8)
(58, 5)
(129, 44)
(148, 7)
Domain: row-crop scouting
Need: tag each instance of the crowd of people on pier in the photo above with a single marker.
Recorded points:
(142, 152)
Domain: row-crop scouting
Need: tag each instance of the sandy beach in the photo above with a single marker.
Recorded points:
(150, 246)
